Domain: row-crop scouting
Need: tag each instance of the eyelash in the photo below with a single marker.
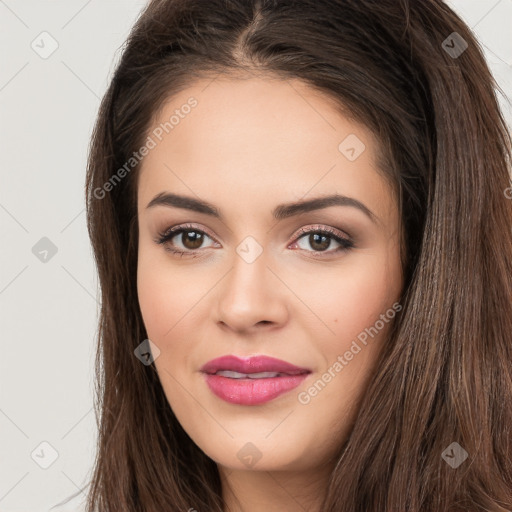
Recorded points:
(167, 235)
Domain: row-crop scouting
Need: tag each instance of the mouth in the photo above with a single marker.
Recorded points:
(251, 381)
(252, 367)
(260, 375)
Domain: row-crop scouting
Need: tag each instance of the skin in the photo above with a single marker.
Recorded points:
(249, 145)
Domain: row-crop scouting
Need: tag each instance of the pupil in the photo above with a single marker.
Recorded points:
(314, 240)
(192, 239)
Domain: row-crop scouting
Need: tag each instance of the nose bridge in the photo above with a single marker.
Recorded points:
(248, 295)
(248, 277)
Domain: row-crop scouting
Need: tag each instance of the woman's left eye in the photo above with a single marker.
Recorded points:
(319, 238)
(322, 237)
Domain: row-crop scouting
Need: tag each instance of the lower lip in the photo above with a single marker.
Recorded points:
(252, 391)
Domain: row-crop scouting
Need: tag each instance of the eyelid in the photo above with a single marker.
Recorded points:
(185, 227)
(321, 227)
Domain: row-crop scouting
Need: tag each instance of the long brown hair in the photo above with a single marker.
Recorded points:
(411, 71)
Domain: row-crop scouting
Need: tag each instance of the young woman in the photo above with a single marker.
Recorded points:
(300, 219)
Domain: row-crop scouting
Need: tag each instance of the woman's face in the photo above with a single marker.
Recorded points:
(259, 277)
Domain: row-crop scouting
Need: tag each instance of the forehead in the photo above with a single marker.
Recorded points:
(258, 137)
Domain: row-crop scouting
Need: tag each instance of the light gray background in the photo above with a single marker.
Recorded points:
(49, 309)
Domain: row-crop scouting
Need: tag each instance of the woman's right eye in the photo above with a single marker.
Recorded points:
(191, 239)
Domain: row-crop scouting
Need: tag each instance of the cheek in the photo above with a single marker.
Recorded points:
(173, 303)
(352, 302)
(352, 299)
(163, 292)
(156, 303)
(166, 305)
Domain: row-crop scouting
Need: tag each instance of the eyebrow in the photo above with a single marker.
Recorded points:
(280, 212)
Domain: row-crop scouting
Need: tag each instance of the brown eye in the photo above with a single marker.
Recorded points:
(319, 242)
(183, 240)
(192, 239)
(323, 239)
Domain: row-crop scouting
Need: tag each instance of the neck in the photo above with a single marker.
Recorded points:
(274, 491)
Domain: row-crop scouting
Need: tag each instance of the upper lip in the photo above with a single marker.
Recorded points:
(253, 364)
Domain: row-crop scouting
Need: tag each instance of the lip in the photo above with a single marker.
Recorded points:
(247, 391)
(253, 364)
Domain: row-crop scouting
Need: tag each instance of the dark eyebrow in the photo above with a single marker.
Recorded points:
(282, 211)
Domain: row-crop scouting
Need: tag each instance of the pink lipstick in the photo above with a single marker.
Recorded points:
(253, 380)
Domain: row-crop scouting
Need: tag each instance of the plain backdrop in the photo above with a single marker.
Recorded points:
(56, 61)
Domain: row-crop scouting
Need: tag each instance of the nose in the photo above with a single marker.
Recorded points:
(251, 297)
